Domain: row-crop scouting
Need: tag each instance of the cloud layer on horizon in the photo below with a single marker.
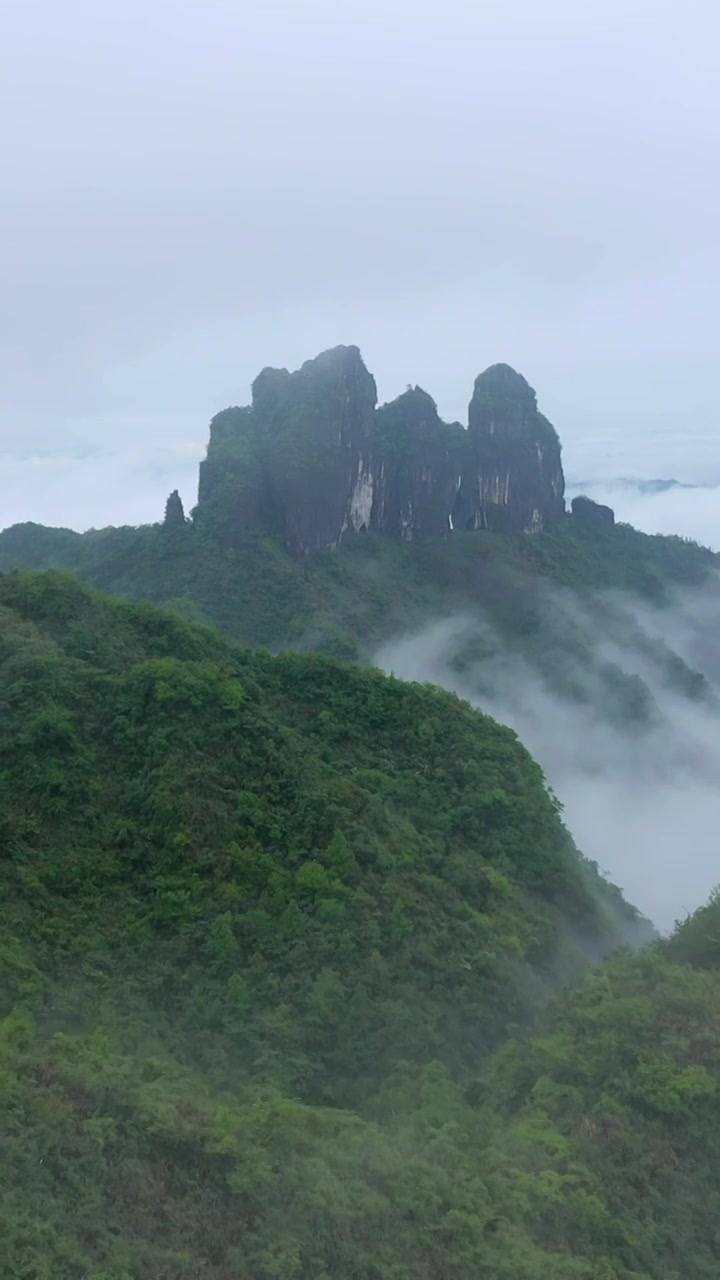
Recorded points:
(192, 192)
(692, 512)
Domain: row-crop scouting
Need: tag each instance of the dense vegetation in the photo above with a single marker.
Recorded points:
(348, 601)
(270, 926)
(541, 599)
(303, 977)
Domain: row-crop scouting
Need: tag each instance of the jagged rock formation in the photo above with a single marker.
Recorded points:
(419, 461)
(520, 482)
(174, 511)
(592, 514)
(313, 460)
(298, 461)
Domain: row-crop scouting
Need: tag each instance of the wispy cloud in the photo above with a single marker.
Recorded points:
(643, 803)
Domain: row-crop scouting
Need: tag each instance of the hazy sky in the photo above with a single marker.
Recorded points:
(192, 189)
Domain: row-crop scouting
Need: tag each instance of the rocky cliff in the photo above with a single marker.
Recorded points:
(313, 460)
(517, 474)
(298, 461)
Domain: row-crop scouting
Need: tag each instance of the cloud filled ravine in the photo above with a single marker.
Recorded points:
(637, 775)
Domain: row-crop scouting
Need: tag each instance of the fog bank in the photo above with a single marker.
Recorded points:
(643, 801)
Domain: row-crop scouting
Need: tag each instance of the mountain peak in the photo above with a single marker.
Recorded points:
(314, 461)
(503, 379)
(339, 358)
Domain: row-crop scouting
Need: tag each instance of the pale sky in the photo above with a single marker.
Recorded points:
(193, 189)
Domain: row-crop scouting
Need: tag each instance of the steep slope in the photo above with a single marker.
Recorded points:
(519, 474)
(171, 802)
(605, 1158)
(265, 922)
(587, 1152)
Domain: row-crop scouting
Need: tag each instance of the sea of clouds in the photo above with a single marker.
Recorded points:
(627, 471)
(644, 805)
(692, 511)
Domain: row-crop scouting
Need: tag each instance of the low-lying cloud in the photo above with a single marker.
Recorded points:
(692, 511)
(92, 487)
(644, 801)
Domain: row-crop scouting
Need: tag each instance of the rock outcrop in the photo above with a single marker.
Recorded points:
(313, 461)
(298, 462)
(594, 515)
(174, 511)
(520, 482)
(419, 461)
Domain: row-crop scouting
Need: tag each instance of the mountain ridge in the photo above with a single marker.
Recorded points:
(313, 460)
(277, 937)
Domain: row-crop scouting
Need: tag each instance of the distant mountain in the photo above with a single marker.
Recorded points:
(629, 482)
(313, 462)
(661, 486)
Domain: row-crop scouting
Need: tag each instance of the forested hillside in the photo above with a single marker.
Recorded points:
(349, 602)
(268, 924)
(303, 976)
(351, 599)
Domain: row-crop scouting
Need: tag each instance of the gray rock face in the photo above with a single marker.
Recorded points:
(297, 463)
(594, 515)
(520, 482)
(313, 460)
(418, 467)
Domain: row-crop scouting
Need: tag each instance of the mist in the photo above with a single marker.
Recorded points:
(642, 801)
(193, 191)
(684, 509)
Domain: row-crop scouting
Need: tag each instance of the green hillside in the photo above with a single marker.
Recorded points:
(352, 598)
(300, 965)
(588, 1153)
(268, 924)
(263, 825)
(605, 1150)
(530, 590)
